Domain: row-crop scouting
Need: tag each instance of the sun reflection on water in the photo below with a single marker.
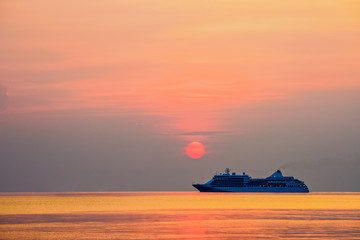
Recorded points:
(179, 215)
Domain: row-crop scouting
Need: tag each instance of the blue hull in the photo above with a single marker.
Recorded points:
(208, 188)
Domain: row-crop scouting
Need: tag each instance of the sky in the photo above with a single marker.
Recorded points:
(107, 95)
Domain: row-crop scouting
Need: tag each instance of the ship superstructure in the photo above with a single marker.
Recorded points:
(231, 182)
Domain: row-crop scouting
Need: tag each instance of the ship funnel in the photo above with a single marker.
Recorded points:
(276, 174)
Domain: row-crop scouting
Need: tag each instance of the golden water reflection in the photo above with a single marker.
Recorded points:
(179, 215)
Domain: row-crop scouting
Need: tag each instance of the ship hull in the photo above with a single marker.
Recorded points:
(208, 188)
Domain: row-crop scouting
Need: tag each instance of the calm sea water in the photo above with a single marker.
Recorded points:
(179, 215)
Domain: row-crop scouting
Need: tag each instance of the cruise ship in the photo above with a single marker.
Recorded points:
(232, 182)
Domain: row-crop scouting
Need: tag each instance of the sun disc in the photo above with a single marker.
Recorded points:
(195, 150)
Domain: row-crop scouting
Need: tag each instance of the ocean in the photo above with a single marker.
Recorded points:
(179, 215)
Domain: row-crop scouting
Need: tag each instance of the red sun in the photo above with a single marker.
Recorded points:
(195, 150)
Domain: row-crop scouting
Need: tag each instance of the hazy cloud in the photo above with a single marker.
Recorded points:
(321, 164)
(3, 97)
(203, 133)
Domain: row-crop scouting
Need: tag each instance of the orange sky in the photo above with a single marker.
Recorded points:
(189, 61)
(169, 57)
(188, 70)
